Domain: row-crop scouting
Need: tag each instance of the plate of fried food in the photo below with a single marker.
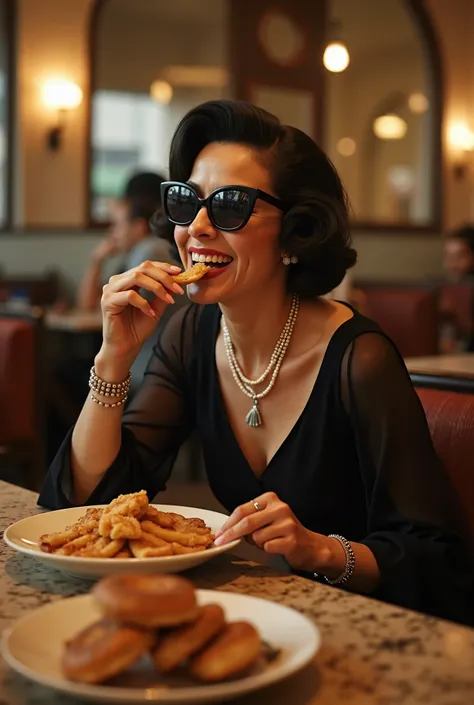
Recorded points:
(154, 638)
(127, 535)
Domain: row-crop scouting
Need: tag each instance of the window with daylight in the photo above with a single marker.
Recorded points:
(152, 61)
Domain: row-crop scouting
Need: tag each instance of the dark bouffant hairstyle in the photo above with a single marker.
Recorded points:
(466, 233)
(315, 226)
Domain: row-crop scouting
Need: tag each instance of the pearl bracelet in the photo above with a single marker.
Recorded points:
(105, 405)
(109, 389)
(350, 561)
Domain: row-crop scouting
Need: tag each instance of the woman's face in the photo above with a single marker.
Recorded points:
(253, 252)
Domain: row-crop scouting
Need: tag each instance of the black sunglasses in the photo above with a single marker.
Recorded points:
(228, 207)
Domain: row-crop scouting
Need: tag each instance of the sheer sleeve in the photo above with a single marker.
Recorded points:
(156, 423)
(411, 528)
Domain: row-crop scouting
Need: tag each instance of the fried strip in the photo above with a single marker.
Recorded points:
(118, 526)
(77, 544)
(49, 543)
(102, 548)
(124, 553)
(176, 536)
(179, 550)
(150, 546)
(87, 524)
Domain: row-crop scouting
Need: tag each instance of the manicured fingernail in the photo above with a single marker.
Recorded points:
(218, 533)
(219, 540)
(151, 313)
(177, 288)
(175, 268)
(169, 299)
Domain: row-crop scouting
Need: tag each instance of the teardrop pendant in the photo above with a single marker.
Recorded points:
(253, 418)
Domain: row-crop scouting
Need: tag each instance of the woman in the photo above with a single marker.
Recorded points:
(313, 436)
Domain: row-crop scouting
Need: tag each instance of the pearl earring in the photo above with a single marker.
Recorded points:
(287, 259)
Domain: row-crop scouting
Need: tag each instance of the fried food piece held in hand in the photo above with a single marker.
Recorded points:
(194, 274)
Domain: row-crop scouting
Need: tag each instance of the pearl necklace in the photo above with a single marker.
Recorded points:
(254, 417)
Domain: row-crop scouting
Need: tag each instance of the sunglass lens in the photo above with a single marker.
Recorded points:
(230, 208)
(181, 204)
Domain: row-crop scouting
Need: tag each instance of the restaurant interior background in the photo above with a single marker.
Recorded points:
(91, 91)
(118, 48)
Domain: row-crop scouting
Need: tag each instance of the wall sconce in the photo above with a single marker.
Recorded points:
(461, 140)
(61, 96)
(161, 92)
(336, 56)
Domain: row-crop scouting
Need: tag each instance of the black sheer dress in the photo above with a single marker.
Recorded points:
(359, 461)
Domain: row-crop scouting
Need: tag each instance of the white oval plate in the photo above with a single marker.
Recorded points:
(23, 536)
(27, 651)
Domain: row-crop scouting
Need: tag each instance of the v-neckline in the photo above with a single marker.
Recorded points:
(230, 431)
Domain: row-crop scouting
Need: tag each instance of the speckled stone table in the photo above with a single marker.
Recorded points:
(372, 653)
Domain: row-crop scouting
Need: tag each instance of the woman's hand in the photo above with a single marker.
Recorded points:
(128, 318)
(275, 529)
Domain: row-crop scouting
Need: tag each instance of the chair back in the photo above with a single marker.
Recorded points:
(37, 290)
(450, 417)
(408, 315)
(22, 416)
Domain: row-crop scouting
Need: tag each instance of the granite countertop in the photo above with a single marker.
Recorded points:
(372, 653)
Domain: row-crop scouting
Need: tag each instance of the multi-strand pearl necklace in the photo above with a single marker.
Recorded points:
(254, 417)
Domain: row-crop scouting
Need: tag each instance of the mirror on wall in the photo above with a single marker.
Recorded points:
(379, 112)
(153, 61)
(357, 75)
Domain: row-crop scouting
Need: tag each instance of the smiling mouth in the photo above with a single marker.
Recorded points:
(213, 261)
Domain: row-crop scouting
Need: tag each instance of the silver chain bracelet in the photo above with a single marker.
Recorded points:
(350, 561)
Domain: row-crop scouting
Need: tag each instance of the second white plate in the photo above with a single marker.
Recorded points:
(23, 536)
(27, 651)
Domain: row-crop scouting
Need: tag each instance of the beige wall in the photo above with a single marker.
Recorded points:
(53, 40)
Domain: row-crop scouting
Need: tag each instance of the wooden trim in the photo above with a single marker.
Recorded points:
(303, 55)
(377, 228)
(93, 27)
(56, 230)
(429, 39)
(11, 14)
(462, 383)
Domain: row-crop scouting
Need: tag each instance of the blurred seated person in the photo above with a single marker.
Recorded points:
(456, 298)
(144, 184)
(459, 255)
(130, 235)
